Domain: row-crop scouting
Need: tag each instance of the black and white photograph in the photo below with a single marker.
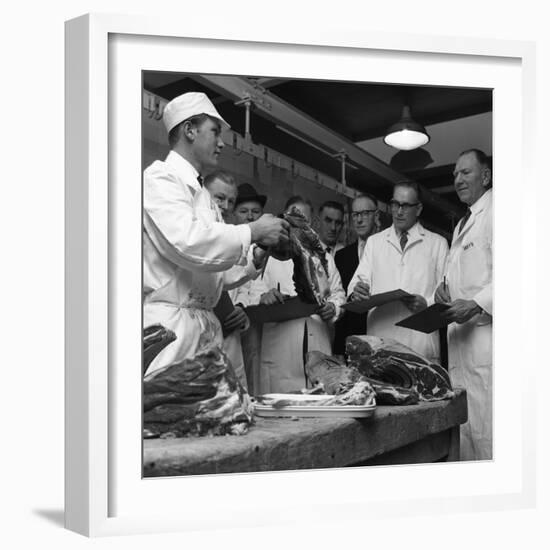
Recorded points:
(317, 282)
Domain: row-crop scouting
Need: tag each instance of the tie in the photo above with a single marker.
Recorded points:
(403, 240)
(464, 220)
(329, 249)
(200, 179)
(361, 248)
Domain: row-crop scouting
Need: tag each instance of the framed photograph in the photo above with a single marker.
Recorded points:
(115, 67)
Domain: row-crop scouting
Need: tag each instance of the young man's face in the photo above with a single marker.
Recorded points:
(248, 211)
(208, 143)
(331, 221)
(224, 195)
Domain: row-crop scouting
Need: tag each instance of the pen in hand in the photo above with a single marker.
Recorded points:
(446, 290)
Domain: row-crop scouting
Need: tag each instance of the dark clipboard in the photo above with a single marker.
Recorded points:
(224, 307)
(292, 308)
(427, 320)
(376, 300)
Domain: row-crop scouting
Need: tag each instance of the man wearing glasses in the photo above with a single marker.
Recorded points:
(406, 256)
(364, 210)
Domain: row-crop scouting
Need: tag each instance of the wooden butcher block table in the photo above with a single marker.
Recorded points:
(411, 434)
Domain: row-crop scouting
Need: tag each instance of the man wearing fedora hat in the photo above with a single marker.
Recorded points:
(249, 206)
(187, 249)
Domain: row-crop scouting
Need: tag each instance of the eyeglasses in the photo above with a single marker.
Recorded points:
(406, 206)
(362, 214)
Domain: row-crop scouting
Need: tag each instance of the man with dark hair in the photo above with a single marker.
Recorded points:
(468, 288)
(364, 209)
(187, 249)
(406, 256)
(331, 221)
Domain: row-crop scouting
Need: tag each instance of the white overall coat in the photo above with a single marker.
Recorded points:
(469, 276)
(416, 269)
(282, 366)
(188, 253)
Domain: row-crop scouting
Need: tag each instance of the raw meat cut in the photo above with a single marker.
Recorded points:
(335, 378)
(308, 255)
(200, 396)
(386, 394)
(390, 362)
(155, 339)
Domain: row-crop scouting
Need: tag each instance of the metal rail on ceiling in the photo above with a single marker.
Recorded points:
(283, 114)
(155, 104)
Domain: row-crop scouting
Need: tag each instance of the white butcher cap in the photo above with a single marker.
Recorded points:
(187, 105)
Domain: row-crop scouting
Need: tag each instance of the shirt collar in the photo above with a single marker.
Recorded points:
(184, 169)
(414, 232)
(482, 202)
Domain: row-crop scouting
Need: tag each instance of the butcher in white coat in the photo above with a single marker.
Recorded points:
(468, 287)
(186, 246)
(404, 256)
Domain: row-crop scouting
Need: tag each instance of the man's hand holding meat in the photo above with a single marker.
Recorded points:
(269, 230)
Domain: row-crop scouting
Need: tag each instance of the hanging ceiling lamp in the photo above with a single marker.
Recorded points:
(406, 134)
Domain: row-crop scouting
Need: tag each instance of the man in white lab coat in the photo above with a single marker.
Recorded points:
(468, 287)
(284, 344)
(404, 256)
(186, 246)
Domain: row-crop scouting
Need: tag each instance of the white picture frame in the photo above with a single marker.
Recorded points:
(102, 498)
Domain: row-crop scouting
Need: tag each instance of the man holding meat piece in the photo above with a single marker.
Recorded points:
(187, 249)
(404, 256)
(468, 288)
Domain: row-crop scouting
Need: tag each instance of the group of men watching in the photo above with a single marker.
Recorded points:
(206, 236)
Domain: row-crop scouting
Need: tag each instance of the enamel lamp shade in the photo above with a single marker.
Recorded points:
(406, 134)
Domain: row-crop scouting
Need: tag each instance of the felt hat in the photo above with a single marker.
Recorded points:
(247, 193)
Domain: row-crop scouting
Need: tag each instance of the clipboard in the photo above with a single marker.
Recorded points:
(292, 308)
(376, 300)
(427, 320)
(224, 307)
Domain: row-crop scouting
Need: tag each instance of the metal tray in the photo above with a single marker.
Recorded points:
(309, 410)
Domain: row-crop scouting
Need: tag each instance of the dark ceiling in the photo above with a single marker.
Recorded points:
(356, 111)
